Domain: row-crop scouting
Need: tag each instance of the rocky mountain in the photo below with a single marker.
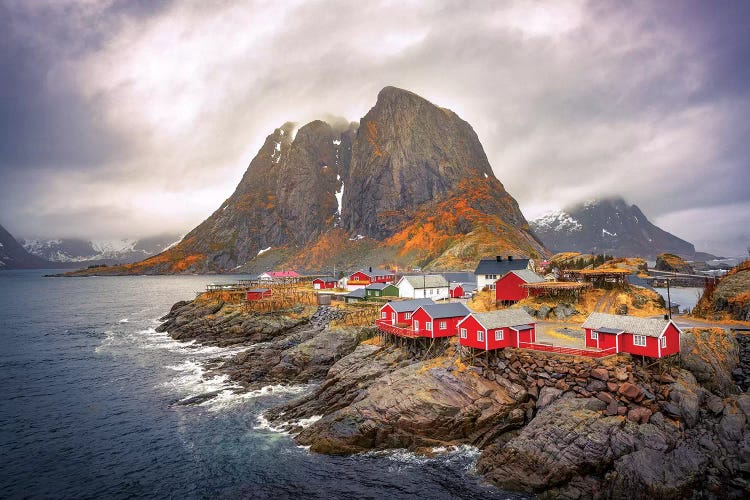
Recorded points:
(15, 256)
(75, 250)
(609, 226)
(411, 185)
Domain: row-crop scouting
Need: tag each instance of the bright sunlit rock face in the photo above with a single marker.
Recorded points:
(123, 120)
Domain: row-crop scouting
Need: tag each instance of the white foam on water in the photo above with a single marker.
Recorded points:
(285, 427)
(264, 425)
(277, 390)
(123, 320)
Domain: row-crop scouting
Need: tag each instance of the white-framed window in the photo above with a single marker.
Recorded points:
(480, 336)
(594, 335)
(499, 334)
(428, 325)
(492, 286)
(407, 315)
(464, 334)
(383, 315)
(639, 340)
(664, 342)
(416, 324)
(443, 325)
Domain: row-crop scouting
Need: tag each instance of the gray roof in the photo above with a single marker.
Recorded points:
(376, 271)
(360, 293)
(427, 281)
(460, 277)
(503, 318)
(446, 310)
(528, 276)
(325, 278)
(492, 266)
(651, 327)
(409, 305)
(377, 286)
(259, 290)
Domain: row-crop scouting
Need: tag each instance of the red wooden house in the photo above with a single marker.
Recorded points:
(508, 287)
(399, 312)
(324, 283)
(258, 293)
(438, 320)
(650, 337)
(497, 329)
(364, 277)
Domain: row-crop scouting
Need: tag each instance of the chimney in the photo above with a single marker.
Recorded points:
(666, 316)
(370, 268)
(499, 258)
(510, 258)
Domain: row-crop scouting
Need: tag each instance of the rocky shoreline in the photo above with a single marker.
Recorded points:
(547, 424)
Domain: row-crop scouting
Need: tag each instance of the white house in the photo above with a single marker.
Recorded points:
(433, 287)
(488, 271)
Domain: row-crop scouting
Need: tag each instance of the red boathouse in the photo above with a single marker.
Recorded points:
(324, 283)
(655, 338)
(508, 288)
(497, 329)
(438, 320)
(399, 312)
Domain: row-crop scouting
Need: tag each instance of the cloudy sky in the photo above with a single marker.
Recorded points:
(133, 118)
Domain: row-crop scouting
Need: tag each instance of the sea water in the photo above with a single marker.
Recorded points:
(87, 408)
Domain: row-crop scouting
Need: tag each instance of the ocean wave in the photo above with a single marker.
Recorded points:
(463, 455)
(285, 427)
(123, 320)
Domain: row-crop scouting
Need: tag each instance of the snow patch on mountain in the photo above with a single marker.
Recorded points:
(557, 221)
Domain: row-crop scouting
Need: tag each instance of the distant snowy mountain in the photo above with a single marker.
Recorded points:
(609, 226)
(71, 250)
(14, 256)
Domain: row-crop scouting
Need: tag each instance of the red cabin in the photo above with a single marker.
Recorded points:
(655, 338)
(456, 291)
(497, 329)
(399, 312)
(438, 320)
(258, 293)
(508, 287)
(324, 283)
(365, 277)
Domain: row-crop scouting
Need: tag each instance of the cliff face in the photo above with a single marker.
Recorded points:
(407, 152)
(410, 186)
(609, 226)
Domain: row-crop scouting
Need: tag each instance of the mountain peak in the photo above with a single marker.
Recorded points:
(607, 225)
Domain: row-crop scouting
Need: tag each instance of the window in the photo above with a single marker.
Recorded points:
(407, 315)
(663, 342)
(416, 324)
(383, 315)
(428, 325)
(443, 325)
(499, 334)
(463, 333)
(639, 340)
(480, 336)
(492, 286)
(594, 335)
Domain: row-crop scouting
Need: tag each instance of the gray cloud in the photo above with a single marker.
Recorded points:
(142, 117)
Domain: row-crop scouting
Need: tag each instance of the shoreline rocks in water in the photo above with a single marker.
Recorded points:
(545, 423)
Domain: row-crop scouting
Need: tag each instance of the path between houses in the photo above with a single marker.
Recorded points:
(607, 302)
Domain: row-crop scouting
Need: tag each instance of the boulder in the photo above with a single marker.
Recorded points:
(600, 374)
(547, 395)
(711, 355)
(630, 391)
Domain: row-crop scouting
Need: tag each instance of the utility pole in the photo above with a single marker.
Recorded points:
(669, 301)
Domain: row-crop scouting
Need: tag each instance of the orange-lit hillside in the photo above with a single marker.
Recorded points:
(457, 231)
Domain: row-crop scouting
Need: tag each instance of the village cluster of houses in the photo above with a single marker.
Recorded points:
(606, 334)
(504, 275)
